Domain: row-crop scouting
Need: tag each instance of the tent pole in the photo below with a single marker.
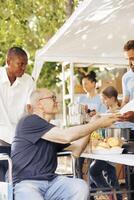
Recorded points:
(72, 82)
(64, 93)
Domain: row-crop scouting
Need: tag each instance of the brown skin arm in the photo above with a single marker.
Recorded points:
(128, 116)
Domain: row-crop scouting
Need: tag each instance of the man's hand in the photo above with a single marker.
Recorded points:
(128, 116)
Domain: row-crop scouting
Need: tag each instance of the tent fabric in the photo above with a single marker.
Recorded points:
(95, 34)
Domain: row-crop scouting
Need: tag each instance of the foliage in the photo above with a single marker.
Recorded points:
(49, 75)
(30, 24)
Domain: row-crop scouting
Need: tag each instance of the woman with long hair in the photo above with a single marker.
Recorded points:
(110, 99)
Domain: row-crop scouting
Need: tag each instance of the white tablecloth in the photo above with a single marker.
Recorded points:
(126, 159)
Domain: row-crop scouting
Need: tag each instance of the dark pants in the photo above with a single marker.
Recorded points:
(78, 167)
(4, 164)
(103, 175)
(130, 184)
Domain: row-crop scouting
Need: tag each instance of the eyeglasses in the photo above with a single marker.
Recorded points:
(53, 97)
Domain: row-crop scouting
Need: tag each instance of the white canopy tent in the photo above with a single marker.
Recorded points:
(94, 34)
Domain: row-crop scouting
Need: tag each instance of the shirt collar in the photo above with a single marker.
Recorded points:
(5, 78)
(4, 75)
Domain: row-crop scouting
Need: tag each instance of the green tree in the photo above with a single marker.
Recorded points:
(30, 24)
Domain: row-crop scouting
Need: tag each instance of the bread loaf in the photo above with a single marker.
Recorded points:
(113, 142)
(103, 144)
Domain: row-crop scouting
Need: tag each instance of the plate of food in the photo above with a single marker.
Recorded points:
(111, 145)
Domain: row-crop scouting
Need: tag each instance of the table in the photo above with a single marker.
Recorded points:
(125, 159)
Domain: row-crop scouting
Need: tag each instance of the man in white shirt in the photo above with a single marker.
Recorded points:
(128, 93)
(15, 89)
(128, 77)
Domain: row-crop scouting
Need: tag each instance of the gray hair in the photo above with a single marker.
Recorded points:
(36, 95)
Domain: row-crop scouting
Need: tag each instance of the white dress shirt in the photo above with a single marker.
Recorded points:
(13, 100)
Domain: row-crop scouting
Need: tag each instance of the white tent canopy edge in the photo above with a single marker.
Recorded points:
(95, 33)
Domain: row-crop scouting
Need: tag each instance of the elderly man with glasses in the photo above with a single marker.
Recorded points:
(35, 147)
